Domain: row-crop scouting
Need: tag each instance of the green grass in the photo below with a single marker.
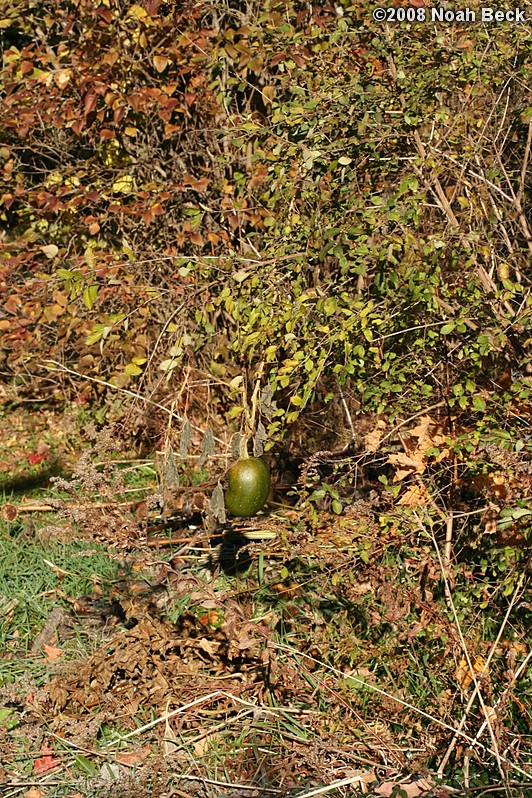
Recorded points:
(34, 573)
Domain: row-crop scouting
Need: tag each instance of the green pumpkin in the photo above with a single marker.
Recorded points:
(248, 487)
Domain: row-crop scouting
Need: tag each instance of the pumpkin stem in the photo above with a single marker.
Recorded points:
(243, 453)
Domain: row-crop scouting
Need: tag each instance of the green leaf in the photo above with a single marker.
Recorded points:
(479, 403)
(85, 765)
(168, 365)
(8, 719)
(89, 296)
(133, 370)
(98, 332)
(355, 683)
(448, 328)
(329, 306)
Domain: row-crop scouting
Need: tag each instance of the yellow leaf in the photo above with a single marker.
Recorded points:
(160, 62)
(137, 12)
(62, 77)
(123, 185)
(268, 92)
(50, 250)
(90, 295)
(462, 673)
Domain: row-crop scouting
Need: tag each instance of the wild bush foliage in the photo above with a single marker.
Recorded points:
(231, 190)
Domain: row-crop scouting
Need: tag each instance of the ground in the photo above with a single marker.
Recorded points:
(297, 653)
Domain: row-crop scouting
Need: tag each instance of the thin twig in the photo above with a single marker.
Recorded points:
(196, 702)
(227, 784)
(167, 716)
(161, 542)
(521, 669)
(334, 785)
(448, 539)
(346, 410)
(49, 508)
(526, 158)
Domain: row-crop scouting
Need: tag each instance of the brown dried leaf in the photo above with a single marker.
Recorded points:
(411, 788)
(170, 476)
(429, 435)
(409, 465)
(267, 403)
(236, 442)
(186, 438)
(373, 438)
(51, 652)
(261, 436)
(217, 504)
(170, 740)
(210, 647)
(9, 512)
(490, 519)
(207, 446)
(135, 757)
(415, 496)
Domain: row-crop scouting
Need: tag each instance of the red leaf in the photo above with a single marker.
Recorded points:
(277, 58)
(90, 102)
(119, 114)
(40, 453)
(46, 762)
(104, 13)
(35, 459)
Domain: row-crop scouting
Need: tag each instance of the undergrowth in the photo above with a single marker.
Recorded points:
(339, 653)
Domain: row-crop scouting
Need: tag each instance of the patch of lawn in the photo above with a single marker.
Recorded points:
(35, 574)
